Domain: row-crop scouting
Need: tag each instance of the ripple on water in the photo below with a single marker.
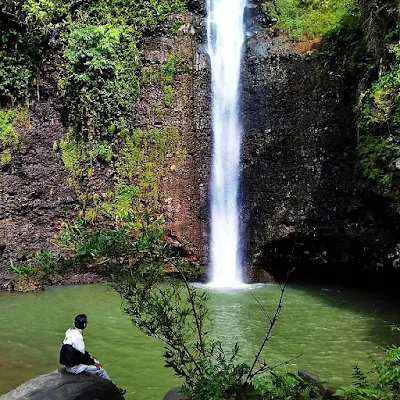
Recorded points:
(332, 328)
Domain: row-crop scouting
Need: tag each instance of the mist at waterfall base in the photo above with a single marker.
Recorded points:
(225, 33)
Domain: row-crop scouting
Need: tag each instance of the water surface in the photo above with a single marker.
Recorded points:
(333, 328)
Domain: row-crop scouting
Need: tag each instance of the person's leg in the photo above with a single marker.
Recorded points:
(88, 369)
(76, 369)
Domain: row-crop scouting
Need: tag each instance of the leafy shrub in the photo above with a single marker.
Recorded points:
(98, 79)
(311, 18)
(9, 137)
(385, 387)
(379, 130)
(287, 386)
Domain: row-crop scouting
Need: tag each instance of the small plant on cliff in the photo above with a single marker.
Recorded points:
(311, 18)
(378, 111)
(9, 137)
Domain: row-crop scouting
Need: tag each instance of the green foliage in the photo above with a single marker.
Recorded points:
(40, 15)
(378, 110)
(98, 79)
(269, 9)
(163, 75)
(9, 137)
(311, 18)
(75, 155)
(139, 165)
(26, 26)
(176, 313)
(142, 15)
(287, 386)
(175, 26)
(222, 376)
(99, 82)
(386, 386)
(24, 29)
(378, 157)
(20, 270)
(42, 265)
(5, 158)
(16, 68)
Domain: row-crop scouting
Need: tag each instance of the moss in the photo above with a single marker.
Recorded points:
(75, 155)
(311, 18)
(163, 76)
(9, 136)
(379, 130)
(5, 158)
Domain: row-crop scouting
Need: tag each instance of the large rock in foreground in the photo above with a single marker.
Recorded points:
(175, 394)
(61, 385)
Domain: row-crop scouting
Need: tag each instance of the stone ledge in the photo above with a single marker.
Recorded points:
(59, 385)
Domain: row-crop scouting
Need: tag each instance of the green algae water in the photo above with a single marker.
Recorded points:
(332, 328)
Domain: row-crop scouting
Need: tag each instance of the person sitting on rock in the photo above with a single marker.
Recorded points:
(74, 356)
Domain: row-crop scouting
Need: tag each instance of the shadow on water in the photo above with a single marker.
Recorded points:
(382, 310)
(333, 328)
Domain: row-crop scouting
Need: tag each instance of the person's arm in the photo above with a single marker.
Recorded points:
(86, 359)
(83, 356)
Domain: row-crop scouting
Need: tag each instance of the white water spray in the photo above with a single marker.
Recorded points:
(225, 45)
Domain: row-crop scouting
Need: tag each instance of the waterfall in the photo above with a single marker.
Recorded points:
(226, 35)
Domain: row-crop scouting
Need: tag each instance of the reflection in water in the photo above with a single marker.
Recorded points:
(333, 329)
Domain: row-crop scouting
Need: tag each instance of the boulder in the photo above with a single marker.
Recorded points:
(175, 394)
(59, 385)
(315, 380)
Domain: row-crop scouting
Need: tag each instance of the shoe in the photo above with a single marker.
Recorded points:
(122, 390)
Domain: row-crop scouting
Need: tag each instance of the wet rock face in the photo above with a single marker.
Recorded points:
(183, 191)
(34, 196)
(301, 180)
(33, 192)
(197, 6)
(305, 201)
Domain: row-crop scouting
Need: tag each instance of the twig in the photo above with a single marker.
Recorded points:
(272, 321)
(252, 374)
(266, 367)
(287, 361)
(191, 300)
(262, 307)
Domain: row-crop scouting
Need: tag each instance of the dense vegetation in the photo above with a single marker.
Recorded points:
(378, 112)
(99, 76)
(365, 33)
(311, 18)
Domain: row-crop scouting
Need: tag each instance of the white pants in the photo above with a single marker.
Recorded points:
(88, 369)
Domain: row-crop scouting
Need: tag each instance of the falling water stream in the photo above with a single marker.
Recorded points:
(225, 46)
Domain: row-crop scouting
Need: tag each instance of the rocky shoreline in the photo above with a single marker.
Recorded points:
(12, 283)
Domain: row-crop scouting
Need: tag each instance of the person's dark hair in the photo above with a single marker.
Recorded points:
(80, 321)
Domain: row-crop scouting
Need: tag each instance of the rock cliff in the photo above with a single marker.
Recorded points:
(305, 201)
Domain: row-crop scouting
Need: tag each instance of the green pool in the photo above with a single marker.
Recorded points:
(331, 327)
